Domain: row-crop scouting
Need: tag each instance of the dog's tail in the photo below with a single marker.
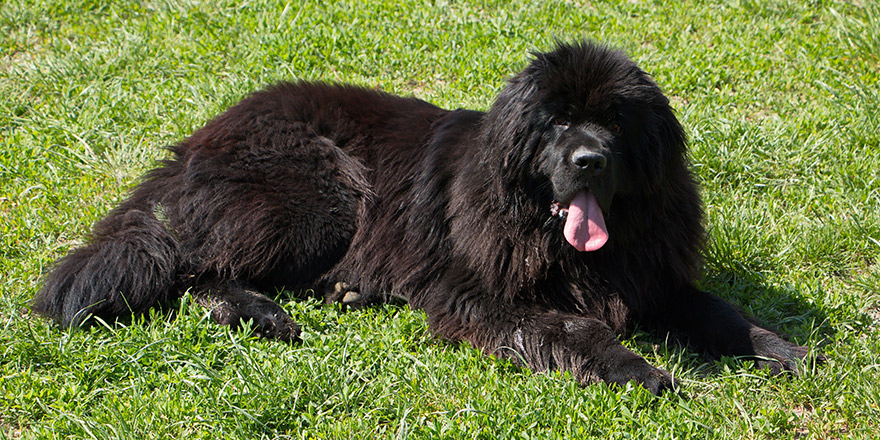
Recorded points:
(130, 264)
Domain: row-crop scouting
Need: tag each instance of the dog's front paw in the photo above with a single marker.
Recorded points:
(779, 355)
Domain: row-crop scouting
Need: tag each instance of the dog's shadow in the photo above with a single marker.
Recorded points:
(783, 309)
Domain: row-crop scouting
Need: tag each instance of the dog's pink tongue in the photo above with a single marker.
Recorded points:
(585, 226)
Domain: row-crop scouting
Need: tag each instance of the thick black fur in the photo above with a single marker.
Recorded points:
(362, 195)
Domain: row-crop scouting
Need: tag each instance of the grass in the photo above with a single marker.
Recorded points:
(780, 101)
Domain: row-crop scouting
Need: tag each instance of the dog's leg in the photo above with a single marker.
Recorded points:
(710, 324)
(549, 340)
(233, 304)
(273, 216)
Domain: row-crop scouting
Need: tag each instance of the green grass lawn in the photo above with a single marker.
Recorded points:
(781, 103)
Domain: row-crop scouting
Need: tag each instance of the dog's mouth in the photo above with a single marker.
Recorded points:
(584, 226)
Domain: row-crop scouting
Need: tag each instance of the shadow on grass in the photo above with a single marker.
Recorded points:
(782, 309)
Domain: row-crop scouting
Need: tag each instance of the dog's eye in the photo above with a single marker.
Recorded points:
(615, 127)
(560, 122)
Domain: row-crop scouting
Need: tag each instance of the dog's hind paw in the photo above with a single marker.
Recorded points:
(653, 379)
(276, 325)
(233, 307)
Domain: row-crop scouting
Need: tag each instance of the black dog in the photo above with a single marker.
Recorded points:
(538, 230)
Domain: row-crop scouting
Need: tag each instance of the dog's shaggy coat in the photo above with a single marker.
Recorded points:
(538, 230)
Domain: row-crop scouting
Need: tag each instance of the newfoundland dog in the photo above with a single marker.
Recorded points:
(539, 230)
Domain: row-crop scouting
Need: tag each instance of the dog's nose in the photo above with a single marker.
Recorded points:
(589, 161)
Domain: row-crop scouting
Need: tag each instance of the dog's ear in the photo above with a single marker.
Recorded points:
(653, 135)
(511, 130)
(667, 135)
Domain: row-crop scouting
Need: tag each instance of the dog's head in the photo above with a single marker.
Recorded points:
(578, 127)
